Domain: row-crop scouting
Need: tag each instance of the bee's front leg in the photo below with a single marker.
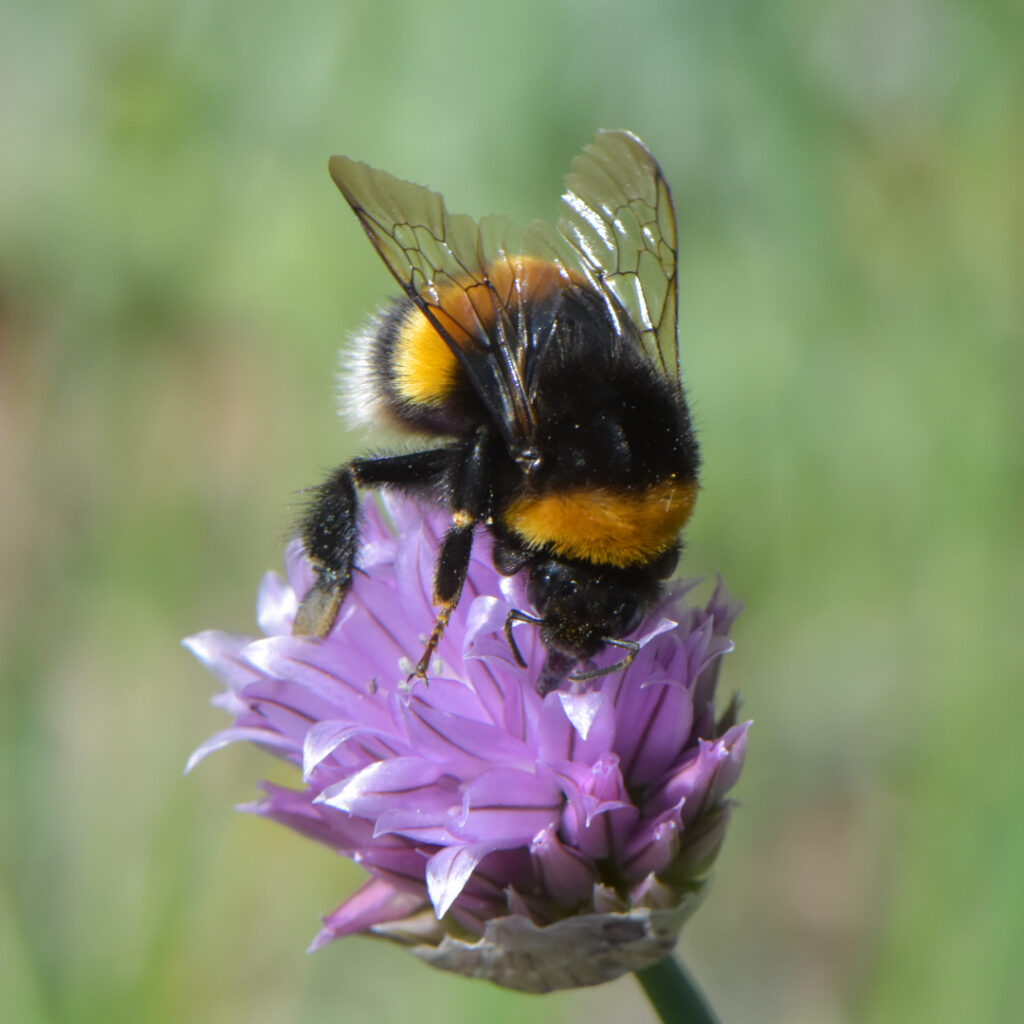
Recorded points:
(470, 493)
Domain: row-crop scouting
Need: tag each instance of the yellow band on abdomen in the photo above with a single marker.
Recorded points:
(426, 370)
(602, 525)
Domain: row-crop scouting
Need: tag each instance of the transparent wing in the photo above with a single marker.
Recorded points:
(468, 279)
(617, 213)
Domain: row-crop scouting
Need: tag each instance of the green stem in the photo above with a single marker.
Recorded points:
(674, 994)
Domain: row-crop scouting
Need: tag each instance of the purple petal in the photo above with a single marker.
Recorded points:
(377, 902)
(517, 904)
(498, 680)
(652, 849)
(322, 739)
(403, 863)
(575, 727)
(653, 629)
(723, 608)
(447, 873)
(654, 723)
(701, 842)
(485, 630)
(298, 569)
(350, 748)
(707, 681)
(276, 605)
(734, 741)
(294, 809)
(401, 782)
(223, 654)
(235, 734)
(385, 632)
(564, 874)
(507, 807)
(651, 892)
(501, 869)
(582, 709)
(421, 825)
(598, 814)
(683, 659)
(455, 738)
(694, 780)
(414, 566)
(301, 680)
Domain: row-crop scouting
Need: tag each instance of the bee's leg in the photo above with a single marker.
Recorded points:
(330, 527)
(470, 500)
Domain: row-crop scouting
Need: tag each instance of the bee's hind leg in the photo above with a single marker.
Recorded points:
(330, 535)
(330, 526)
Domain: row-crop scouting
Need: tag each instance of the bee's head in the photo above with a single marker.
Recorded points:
(582, 608)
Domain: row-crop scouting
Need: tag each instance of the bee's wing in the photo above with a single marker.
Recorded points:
(618, 215)
(446, 263)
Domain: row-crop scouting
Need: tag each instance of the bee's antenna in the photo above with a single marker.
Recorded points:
(517, 616)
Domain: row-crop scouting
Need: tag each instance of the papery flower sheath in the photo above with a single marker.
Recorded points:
(541, 842)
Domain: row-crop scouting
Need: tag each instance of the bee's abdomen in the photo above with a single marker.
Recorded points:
(604, 525)
(402, 374)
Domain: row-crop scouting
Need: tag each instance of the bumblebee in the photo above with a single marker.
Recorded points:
(544, 363)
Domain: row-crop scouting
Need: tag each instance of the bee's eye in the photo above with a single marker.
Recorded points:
(547, 581)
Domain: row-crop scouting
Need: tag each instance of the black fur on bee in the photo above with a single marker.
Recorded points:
(544, 363)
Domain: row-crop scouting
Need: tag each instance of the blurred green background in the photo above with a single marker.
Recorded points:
(177, 272)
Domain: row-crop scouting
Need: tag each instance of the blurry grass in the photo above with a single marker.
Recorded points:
(176, 272)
